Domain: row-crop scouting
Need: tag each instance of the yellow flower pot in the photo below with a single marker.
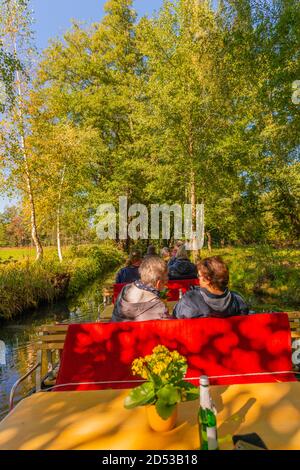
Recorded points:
(157, 423)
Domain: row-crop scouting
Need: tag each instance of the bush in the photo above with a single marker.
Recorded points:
(25, 284)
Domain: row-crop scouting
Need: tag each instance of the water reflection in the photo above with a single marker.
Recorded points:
(19, 337)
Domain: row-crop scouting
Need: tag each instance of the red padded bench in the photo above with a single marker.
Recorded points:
(230, 351)
(173, 286)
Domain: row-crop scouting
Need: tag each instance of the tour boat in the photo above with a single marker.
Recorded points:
(78, 404)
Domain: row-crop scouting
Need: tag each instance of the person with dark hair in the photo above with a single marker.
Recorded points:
(213, 298)
(151, 251)
(181, 267)
(141, 300)
(131, 272)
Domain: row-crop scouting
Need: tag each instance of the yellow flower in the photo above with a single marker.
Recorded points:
(138, 366)
(162, 363)
(160, 349)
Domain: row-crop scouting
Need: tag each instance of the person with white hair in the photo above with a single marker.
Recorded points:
(141, 300)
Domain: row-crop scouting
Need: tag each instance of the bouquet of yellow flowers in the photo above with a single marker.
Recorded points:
(164, 372)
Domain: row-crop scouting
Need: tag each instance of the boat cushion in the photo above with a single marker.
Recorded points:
(230, 351)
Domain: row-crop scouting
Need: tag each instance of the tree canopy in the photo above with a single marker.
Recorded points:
(192, 105)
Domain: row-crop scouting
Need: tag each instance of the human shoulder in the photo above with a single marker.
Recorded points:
(191, 304)
(243, 306)
(237, 295)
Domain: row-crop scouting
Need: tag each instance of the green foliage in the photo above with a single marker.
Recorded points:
(192, 100)
(88, 263)
(165, 387)
(24, 284)
(13, 228)
(139, 396)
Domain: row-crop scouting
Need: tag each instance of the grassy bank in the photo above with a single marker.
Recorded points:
(24, 253)
(269, 279)
(25, 284)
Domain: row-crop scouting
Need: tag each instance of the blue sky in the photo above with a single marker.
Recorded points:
(53, 17)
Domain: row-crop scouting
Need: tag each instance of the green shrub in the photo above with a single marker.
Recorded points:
(25, 284)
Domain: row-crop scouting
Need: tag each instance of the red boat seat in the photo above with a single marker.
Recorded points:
(230, 351)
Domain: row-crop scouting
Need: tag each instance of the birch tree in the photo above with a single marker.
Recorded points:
(17, 39)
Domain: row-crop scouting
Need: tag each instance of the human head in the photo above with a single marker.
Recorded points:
(182, 253)
(151, 251)
(153, 272)
(165, 253)
(213, 273)
(177, 245)
(135, 258)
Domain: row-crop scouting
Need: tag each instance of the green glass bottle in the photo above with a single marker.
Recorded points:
(207, 418)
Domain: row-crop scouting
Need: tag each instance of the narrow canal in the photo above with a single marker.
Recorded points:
(20, 335)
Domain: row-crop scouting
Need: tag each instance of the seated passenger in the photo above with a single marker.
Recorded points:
(151, 251)
(165, 254)
(180, 267)
(140, 301)
(131, 272)
(212, 298)
(174, 252)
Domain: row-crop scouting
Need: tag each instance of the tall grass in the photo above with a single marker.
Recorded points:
(25, 284)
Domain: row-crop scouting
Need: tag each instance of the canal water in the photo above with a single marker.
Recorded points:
(19, 337)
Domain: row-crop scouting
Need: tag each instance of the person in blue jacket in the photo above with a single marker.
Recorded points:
(213, 297)
(131, 272)
(180, 267)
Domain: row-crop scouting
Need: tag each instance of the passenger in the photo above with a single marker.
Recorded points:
(141, 301)
(151, 251)
(177, 245)
(165, 254)
(212, 298)
(131, 272)
(181, 267)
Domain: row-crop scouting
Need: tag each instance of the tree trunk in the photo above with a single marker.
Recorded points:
(59, 252)
(209, 241)
(34, 231)
(193, 204)
(58, 212)
(193, 200)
